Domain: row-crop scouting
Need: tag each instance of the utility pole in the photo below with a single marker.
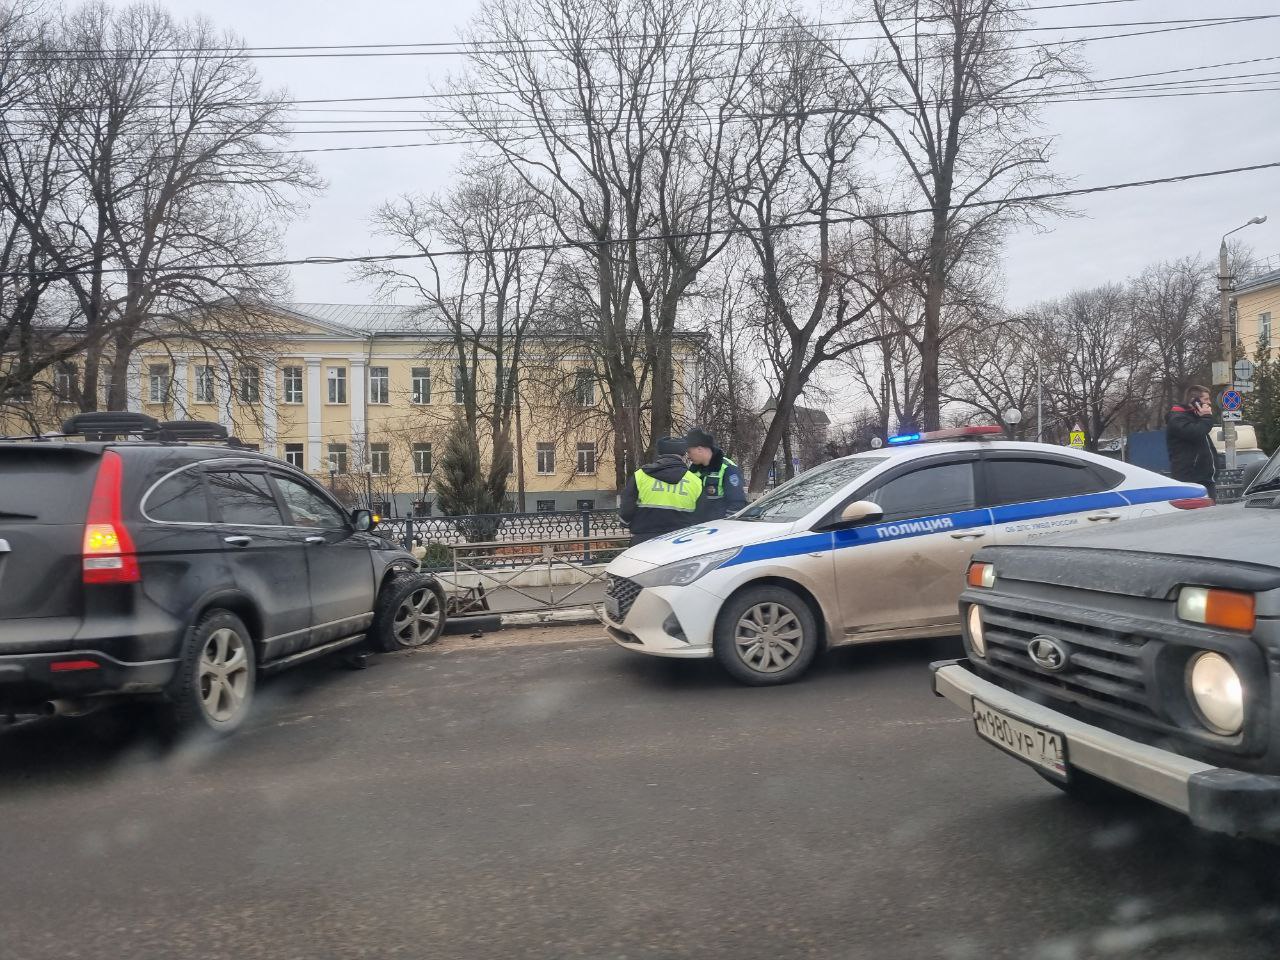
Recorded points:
(1226, 375)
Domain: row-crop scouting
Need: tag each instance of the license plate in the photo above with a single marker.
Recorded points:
(611, 608)
(1039, 747)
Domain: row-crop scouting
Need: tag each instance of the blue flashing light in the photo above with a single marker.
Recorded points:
(905, 438)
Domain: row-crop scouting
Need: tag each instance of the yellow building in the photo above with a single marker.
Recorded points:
(1257, 304)
(363, 396)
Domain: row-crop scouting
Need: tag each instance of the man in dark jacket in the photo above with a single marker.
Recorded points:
(723, 492)
(1187, 429)
(662, 496)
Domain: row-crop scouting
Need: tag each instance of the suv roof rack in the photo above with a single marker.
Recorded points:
(110, 425)
(107, 425)
(179, 430)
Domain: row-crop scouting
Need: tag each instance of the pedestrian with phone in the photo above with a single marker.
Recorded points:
(1192, 456)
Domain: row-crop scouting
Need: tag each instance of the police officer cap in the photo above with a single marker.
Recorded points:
(697, 437)
(669, 445)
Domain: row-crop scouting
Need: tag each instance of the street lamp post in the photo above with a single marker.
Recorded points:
(1226, 375)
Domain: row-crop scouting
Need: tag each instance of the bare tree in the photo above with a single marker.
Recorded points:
(960, 110)
(793, 181)
(1175, 306)
(157, 183)
(1095, 355)
(615, 116)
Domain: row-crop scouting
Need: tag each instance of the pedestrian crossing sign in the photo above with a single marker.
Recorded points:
(1077, 439)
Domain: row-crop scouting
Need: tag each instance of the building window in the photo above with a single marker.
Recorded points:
(204, 384)
(64, 382)
(421, 385)
(422, 459)
(337, 384)
(459, 385)
(293, 454)
(379, 385)
(379, 459)
(546, 458)
(160, 382)
(292, 384)
(546, 506)
(586, 458)
(1264, 329)
(250, 384)
(337, 458)
(586, 505)
(584, 390)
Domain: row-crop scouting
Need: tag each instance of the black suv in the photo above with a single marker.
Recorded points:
(180, 571)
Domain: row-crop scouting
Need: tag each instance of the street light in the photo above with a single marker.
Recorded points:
(1226, 376)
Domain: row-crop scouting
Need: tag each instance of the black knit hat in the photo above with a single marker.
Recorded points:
(697, 437)
(671, 445)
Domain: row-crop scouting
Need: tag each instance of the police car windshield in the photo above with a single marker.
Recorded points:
(801, 495)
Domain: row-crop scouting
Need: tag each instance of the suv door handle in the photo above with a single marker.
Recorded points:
(968, 535)
(315, 540)
(240, 540)
(1103, 516)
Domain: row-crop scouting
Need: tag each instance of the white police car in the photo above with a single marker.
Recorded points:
(869, 547)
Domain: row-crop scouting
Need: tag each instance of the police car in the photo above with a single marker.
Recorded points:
(866, 548)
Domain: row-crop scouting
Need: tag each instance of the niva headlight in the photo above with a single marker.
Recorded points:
(684, 572)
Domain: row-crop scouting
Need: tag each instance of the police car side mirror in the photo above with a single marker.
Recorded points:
(855, 513)
(861, 510)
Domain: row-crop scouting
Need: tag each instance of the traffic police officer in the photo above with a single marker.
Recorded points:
(662, 496)
(723, 492)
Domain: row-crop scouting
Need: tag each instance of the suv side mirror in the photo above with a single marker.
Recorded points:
(857, 512)
(363, 520)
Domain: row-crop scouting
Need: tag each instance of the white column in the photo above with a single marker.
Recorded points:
(180, 381)
(270, 421)
(222, 392)
(357, 398)
(133, 389)
(314, 401)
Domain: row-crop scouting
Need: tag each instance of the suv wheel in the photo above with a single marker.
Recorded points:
(214, 686)
(766, 636)
(409, 614)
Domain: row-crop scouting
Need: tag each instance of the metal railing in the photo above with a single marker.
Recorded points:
(504, 527)
(515, 562)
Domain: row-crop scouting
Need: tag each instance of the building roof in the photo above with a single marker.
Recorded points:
(1263, 280)
(810, 415)
(371, 317)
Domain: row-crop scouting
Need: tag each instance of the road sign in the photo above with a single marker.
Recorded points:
(1231, 400)
(1244, 386)
(1232, 416)
(1221, 372)
(1077, 439)
(1244, 369)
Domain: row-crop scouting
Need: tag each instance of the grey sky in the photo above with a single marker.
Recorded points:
(1098, 142)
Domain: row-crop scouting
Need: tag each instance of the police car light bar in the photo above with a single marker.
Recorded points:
(956, 433)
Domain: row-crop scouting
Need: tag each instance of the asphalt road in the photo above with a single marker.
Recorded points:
(575, 801)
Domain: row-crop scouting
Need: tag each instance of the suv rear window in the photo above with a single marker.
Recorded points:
(180, 499)
(39, 486)
(244, 498)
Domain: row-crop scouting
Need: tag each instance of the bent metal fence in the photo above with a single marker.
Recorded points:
(516, 563)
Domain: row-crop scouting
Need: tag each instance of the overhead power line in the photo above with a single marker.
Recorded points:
(589, 243)
(519, 45)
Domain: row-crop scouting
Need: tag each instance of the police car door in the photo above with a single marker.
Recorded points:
(1034, 495)
(902, 574)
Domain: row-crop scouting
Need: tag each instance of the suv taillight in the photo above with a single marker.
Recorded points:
(108, 554)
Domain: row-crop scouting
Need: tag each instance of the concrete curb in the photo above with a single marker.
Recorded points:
(493, 622)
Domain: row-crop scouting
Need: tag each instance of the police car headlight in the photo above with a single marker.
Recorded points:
(684, 572)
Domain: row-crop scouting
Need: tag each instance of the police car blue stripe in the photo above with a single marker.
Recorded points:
(881, 532)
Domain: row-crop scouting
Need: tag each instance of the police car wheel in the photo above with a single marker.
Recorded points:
(765, 636)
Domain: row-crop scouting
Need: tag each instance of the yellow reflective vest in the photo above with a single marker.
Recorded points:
(681, 496)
